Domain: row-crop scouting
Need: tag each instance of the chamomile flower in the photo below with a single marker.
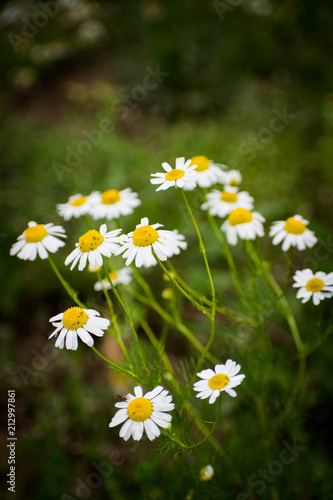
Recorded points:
(319, 286)
(206, 473)
(123, 276)
(93, 245)
(111, 204)
(221, 203)
(244, 224)
(231, 178)
(208, 173)
(76, 206)
(179, 176)
(143, 413)
(77, 322)
(38, 239)
(146, 238)
(292, 232)
(224, 378)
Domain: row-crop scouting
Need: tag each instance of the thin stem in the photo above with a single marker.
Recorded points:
(262, 267)
(289, 268)
(117, 367)
(230, 260)
(151, 302)
(64, 283)
(114, 319)
(122, 303)
(203, 251)
(182, 291)
(207, 435)
(228, 313)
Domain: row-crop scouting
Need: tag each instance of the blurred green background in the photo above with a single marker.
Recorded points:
(96, 95)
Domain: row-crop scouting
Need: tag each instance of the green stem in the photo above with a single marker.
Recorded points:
(114, 319)
(117, 367)
(64, 283)
(262, 268)
(230, 260)
(151, 302)
(207, 434)
(203, 251)
(182, 291)
(289, 268)
(122, 303)
(228, 313)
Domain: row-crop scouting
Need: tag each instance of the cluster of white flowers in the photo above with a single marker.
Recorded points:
(145, 246)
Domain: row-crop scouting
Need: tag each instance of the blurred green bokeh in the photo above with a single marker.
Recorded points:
(96, 95)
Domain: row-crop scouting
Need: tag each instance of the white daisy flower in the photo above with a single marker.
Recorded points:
(93, 245)
(38, 239)
(221, 203)
(75, 322)
(143, 413)
(76, 206)
(179, 176)
(111, 204)
(123, 276)
(319, 286)
(206, 473)
(208, 173)
(231, 178)
(224, 378)
(145, 238)
(244, 224)
(292, 232)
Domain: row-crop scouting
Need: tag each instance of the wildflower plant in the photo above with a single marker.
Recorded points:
(170, 405)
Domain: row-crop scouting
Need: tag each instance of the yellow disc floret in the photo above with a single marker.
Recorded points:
(139, 409)
(144, 236)
(81, 200)
(314, 285)
(174, 174)
(74, 318)
(90, 240)
(35, 233)
(228, 197)
(218, 381)
(110, 197)
(239, 216)
(201, 162)
(113, 275)
(294, 226)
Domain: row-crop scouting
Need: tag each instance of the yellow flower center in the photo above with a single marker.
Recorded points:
(218, 381)
(139, 409)
(294, 226)
(239, 216)
(90, 240)
(79, 201)
(110, 197)
(174, 174)
(314, 285)
(228, 197)
(113, 275)
(233, 182)
(144, 236)
(74, 318)
(35, 233)
(202, 163)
